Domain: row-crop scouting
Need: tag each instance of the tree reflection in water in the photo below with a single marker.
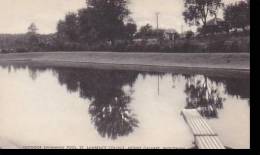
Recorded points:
(110, 112)
(202, 94)
(109, 109)
(32, 70)
(239, 87)
(112, 117)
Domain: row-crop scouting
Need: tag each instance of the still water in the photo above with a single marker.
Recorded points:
(87, 107)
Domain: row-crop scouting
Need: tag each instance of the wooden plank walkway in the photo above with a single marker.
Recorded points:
(204, 136)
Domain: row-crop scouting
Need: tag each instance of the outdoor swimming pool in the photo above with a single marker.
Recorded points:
(52, 106)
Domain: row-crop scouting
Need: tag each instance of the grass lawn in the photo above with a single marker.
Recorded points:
(194, 62)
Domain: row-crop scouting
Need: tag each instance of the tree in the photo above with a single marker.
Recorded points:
(215, 25)
(189, 34)
(107, 17)
(72, 26)
(61, 30)
(33, 38)
(69, 28)
(197, 11)
(145, 31)
(130, 30)
(98, 24)
(88, 25)
(238, 15)
(32, 29)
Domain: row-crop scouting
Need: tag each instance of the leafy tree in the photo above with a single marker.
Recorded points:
(33, 37)
(32, 29)
(189, 34)
(88, 25)
(197, 11)
(213, 26)
(145, 31)
(72, 26)
(108, 18)
(130, 30)
(68, 29)
(61, 30)
(238, 15)
(98, 24)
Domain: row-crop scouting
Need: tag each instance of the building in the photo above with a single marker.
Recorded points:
(170, 34)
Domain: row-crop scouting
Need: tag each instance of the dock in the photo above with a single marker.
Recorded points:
(204, 136)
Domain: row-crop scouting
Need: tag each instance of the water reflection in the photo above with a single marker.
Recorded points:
(109, 108)
(141, 105)
(203, 94)
(235, 86)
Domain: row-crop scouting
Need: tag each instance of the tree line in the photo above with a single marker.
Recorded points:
(198, 12)
(102, 21)
(107, 25)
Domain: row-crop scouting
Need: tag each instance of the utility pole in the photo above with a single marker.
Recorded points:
(157, 20)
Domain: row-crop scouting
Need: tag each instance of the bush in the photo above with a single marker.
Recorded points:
(4, 51)
(22, 50)
(236, 47)
(188, 47)
(217, 46)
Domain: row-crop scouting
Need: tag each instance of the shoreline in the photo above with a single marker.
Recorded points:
(220, 64)
(239, 66)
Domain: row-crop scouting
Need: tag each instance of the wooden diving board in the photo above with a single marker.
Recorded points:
(204, 136)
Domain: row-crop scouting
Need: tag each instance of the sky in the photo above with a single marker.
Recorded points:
(17, 15)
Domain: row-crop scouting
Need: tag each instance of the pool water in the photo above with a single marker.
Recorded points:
(51, 106)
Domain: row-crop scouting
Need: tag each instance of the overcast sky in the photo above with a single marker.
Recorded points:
(16, 15)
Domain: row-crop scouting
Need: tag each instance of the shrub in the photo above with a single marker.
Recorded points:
(217, 46)
(22, 50)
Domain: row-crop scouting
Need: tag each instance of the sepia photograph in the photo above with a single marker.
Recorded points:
(125, 74)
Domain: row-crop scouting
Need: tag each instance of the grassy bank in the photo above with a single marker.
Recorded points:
(192, 62)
